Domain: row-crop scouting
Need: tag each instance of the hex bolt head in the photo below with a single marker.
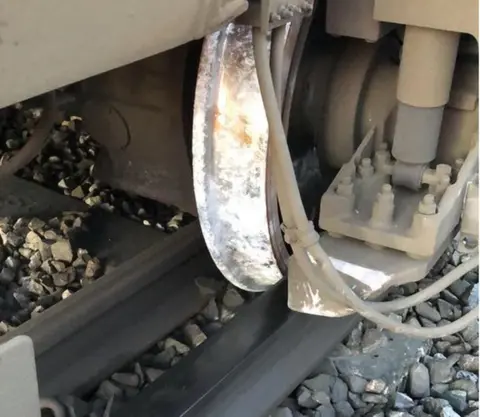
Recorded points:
(295, 8)
(386, 194)
(445, 180)
(345, 188)
(285, 11)
(307, 7)
(383, 208)
(275, 17)
(366, 168)
(366, 162)
(443, 169)
(386, 189)
(427, 206)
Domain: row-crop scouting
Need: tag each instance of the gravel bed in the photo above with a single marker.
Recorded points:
(376, 373)
(133, 377)
(66, 165)
(39, 265)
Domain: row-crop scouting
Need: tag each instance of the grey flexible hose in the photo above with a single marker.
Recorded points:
(36, 142)
(301, 235)
(427, 293)
(276, 59)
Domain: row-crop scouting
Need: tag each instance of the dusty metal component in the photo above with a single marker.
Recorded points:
(408, 175)
(459, 16)
(269, 14)
(416, 134)
(426, 72)
(137, 113)
(234, 198)
(460, 117)
(409, 230)
(427, 66)
(346, 87)
(35, 59)
(18, 385)
(354, 18)
(368, 270)
(469, 227)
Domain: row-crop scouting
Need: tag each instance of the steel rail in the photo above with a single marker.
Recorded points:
(248, 368)
(84, 338)
(149, 291)
(110, 340)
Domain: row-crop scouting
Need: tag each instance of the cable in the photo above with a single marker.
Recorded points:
(276, 59)
(429, 292)
(35, 143)
(299, 232)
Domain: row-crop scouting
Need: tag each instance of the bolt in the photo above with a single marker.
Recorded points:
(366, 162)
(445, 179)
(307, 7)
(386, 189)
(275, 17)
(382, 161)
(366, 168)
(345, 188)
(383, 207)
(443, 169)
(443, 183)
(295, 8)
(427, 206)
(285, 12)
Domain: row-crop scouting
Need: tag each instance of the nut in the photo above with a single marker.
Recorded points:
(345, 188)
(427, 206)
(366, 169)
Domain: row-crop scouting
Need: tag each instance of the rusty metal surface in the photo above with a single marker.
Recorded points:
(136, 113)
(236, 203)
(229, 147)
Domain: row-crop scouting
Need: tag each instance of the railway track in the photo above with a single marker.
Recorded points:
(147, 291)
(149, 288)
(248, 368)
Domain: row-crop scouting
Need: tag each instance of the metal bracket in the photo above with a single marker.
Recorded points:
(269, 14)
(468, 242)
(18, 379)
(360, 203)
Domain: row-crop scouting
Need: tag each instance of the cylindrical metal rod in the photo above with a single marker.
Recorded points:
(425, 79)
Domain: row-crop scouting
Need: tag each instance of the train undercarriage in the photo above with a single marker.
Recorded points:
(332, 143)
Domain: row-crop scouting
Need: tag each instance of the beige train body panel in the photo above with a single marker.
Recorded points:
(47, 45)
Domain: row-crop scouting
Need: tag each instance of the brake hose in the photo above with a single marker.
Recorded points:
(36, 142)
(304, 240)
